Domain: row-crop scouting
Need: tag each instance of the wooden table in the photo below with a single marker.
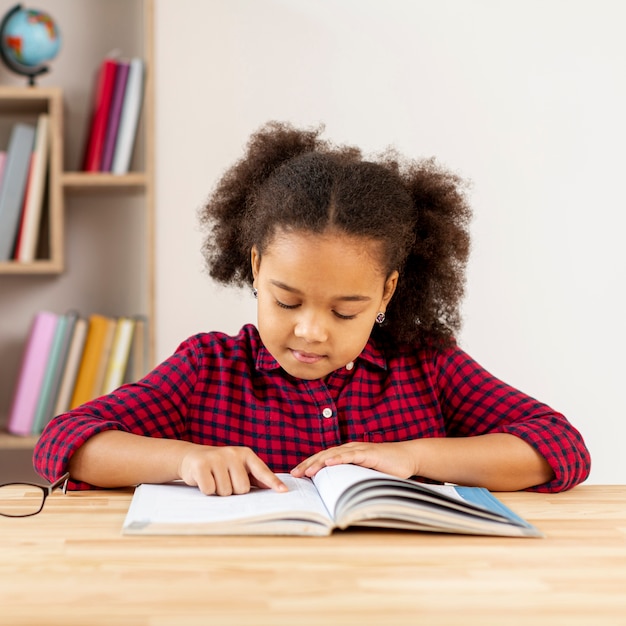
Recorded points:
(70, 565)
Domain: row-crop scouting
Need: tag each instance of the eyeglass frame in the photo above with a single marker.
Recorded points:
(45, 489)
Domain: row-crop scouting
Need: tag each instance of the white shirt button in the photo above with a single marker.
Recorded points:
(350, 365)
(327, 412)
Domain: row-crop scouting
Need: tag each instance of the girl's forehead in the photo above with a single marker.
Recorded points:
(330, 240)
(318, 258)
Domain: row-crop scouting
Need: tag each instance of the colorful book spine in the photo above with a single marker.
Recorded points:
(129, 120)
(3, 161)
(113, 123)
(72, 365)
(138, 366)
(120, 350)
(54, 371)
(32, 372)
(103, 361)
(13, 187)
(26, 245)
(46, 384)
(101, 109)
(98, 335)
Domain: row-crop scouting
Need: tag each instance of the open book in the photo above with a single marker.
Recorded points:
(336, 498)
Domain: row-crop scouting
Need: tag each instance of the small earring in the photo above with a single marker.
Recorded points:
(380, 318)
(255, 293)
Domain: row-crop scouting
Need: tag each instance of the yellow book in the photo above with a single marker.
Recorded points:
(91, 371)
(120, 350)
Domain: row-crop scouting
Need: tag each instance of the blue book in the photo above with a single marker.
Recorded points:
(13, 189)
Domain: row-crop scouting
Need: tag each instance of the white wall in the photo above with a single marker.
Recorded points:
(526, 98)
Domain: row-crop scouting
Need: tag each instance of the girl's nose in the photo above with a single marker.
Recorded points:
(310, 327)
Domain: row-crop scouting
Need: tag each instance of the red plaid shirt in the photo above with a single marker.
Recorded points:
(222, 390)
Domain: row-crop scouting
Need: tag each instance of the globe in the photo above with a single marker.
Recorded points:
(29, 38)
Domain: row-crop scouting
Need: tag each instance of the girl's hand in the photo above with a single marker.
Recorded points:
(397, 458)
(226, 470)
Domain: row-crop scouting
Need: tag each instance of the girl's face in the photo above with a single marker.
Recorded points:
(318, 297)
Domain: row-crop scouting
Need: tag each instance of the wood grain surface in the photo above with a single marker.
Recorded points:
(70, 565)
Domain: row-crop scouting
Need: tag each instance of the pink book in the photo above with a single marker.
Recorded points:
(114, 116)
(3, 160)
(32, 370)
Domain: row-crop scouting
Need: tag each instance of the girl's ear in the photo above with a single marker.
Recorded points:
(390, 286)
(255, 261)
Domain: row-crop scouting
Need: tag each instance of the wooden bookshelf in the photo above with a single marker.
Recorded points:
(8, 441)
(101, 226)
(25, 105)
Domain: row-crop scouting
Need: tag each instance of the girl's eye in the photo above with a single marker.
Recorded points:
(343, 317)
(282, 305)
(290, 307)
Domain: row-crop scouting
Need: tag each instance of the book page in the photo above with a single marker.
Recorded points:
(177, 503)
(332, 481)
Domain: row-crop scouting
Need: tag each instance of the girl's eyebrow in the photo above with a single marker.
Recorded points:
(348, 298)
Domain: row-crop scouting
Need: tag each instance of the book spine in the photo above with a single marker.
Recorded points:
(19, 236)
(56, 375)
(33, 202)
(101, 109)
(49, 373)
(138, 366)
(118, 358)
(88, 371)
(114, 118)
(3, 162)
(103, 360)
(72, 364)
(14, 185)
(32, 369)
(129, 119)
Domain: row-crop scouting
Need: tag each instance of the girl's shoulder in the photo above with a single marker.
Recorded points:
(426, 359)
(246, 343)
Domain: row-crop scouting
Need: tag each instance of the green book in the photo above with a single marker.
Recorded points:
(54, 371)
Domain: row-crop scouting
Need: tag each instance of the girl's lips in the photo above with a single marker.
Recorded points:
(306, 357)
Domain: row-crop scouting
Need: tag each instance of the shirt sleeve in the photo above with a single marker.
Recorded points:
(475, 403)
(155, 406)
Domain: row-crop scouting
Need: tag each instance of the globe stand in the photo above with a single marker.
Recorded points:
(12, 64)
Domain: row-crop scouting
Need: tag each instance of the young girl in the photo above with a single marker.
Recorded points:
(358, 270)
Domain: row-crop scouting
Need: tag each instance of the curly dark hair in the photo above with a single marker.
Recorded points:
(292, 179)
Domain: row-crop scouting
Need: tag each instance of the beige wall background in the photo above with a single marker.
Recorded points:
(526, 98)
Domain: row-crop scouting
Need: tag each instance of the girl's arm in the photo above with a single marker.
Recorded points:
(118, 459)
(498, 461)
(497, 436)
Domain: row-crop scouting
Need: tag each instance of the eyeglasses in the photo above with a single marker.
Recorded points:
(26, 499)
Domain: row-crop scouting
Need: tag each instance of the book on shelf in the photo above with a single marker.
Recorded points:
(101, 106)
(94, 358)
(32, 372)
(54, 371)
(116, 108)
(129, 117)
(70, 368)
(137, 366)
(337, 497)
(3, 160)
(115, 113)
(118, 358)
(13, 186)
(68, 360)
(28, 232)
